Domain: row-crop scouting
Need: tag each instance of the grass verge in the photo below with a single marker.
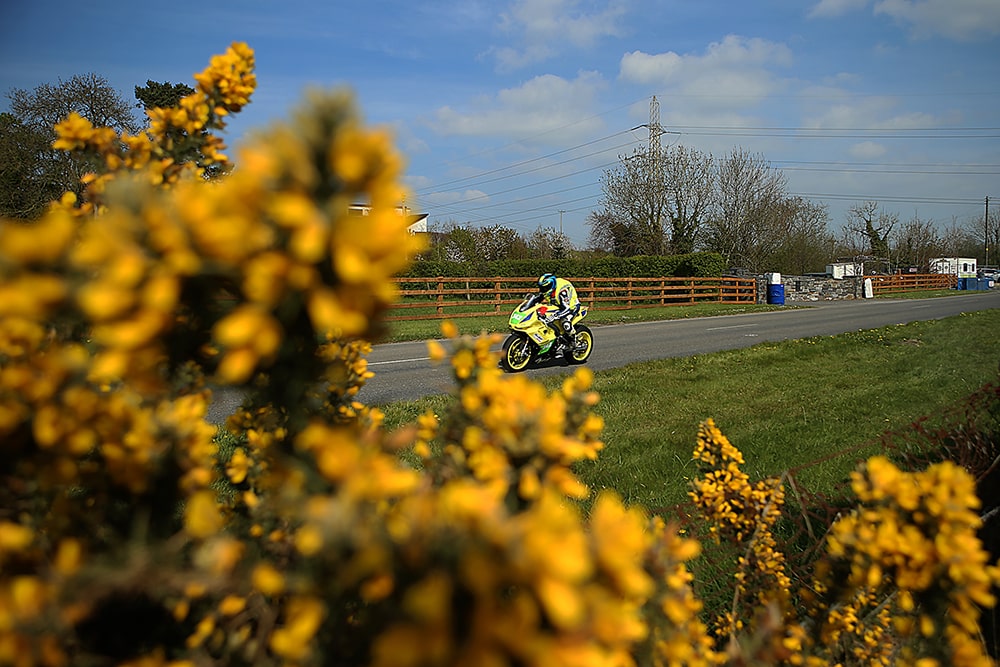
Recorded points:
(427, 329)
(403, 330)
(815, 406)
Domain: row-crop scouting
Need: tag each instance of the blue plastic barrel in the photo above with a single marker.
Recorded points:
(776, 295)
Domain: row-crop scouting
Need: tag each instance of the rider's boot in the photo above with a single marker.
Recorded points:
(568, 339)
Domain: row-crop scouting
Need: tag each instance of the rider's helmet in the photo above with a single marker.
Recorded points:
(547, 284)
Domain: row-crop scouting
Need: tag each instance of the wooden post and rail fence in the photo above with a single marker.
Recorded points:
(908, 282)
(448, 297)
(439, 297)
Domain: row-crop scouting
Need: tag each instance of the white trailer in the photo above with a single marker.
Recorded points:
(963, 267)
(841, 270)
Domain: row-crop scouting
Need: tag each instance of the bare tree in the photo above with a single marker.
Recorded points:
(654, 204)
(635, 204)
(600, 237)
(751, 212)
(849, 245)
(808, 246)
(618, 237)
(37, 112)
(89, 95)
(962, 239)
(690, 179)
(873, 225)
(547, 243)
(914, 243)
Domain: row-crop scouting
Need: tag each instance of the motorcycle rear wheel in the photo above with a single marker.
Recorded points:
(583, 345)
(516, 353)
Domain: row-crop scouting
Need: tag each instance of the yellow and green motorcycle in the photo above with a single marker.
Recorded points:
(533, 340)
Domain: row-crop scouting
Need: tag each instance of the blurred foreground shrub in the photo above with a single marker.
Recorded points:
(314, 536)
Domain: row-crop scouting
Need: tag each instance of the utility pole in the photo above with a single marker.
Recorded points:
(986, 233)
(560, 222)
(654, 132)
(656, 161)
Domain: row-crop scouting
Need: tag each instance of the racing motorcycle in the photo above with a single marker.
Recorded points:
(532, 339)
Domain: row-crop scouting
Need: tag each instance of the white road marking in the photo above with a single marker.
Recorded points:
(397, 361)
(735, 326)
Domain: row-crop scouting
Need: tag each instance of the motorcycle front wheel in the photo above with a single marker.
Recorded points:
(516, 353)
(583, 345)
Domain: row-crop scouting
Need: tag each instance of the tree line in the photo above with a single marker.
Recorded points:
(676, 201)
(32, 172)
(682, 200)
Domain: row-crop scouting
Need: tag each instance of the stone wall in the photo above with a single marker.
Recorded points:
(813, 288)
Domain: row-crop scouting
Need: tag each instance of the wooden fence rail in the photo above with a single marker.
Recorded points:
(906, 282)
(444, 297)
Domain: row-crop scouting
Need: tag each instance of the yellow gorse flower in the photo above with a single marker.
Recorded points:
(918, 530)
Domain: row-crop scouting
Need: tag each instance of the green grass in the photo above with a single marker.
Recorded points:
(923, 294)
(427, 329)
(814, 406)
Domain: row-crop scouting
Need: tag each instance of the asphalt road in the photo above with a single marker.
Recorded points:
(403, 371)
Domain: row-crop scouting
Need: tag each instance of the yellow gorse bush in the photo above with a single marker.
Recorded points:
(745, 514)
(914, 538)
(133, 532)
(902, 580)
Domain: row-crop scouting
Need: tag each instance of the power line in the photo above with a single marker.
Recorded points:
(475, 180)
(890, 164)
(519, 210)
(889, 198)
(538, 168)
(537, 135)
(816, 134)
(894, 171)
(771, 128)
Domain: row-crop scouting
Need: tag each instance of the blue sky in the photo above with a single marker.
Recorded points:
(508, 112)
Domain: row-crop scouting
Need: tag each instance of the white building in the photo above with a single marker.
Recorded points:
(418, 221)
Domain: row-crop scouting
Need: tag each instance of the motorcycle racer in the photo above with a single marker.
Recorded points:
(561, 294)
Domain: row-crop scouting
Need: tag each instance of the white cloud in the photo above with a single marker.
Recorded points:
(955, 19)
(734, 72)
(544, 104)
(867, 150)
(509, 59)
(832, 8)
(543, 28)
(870, 113)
